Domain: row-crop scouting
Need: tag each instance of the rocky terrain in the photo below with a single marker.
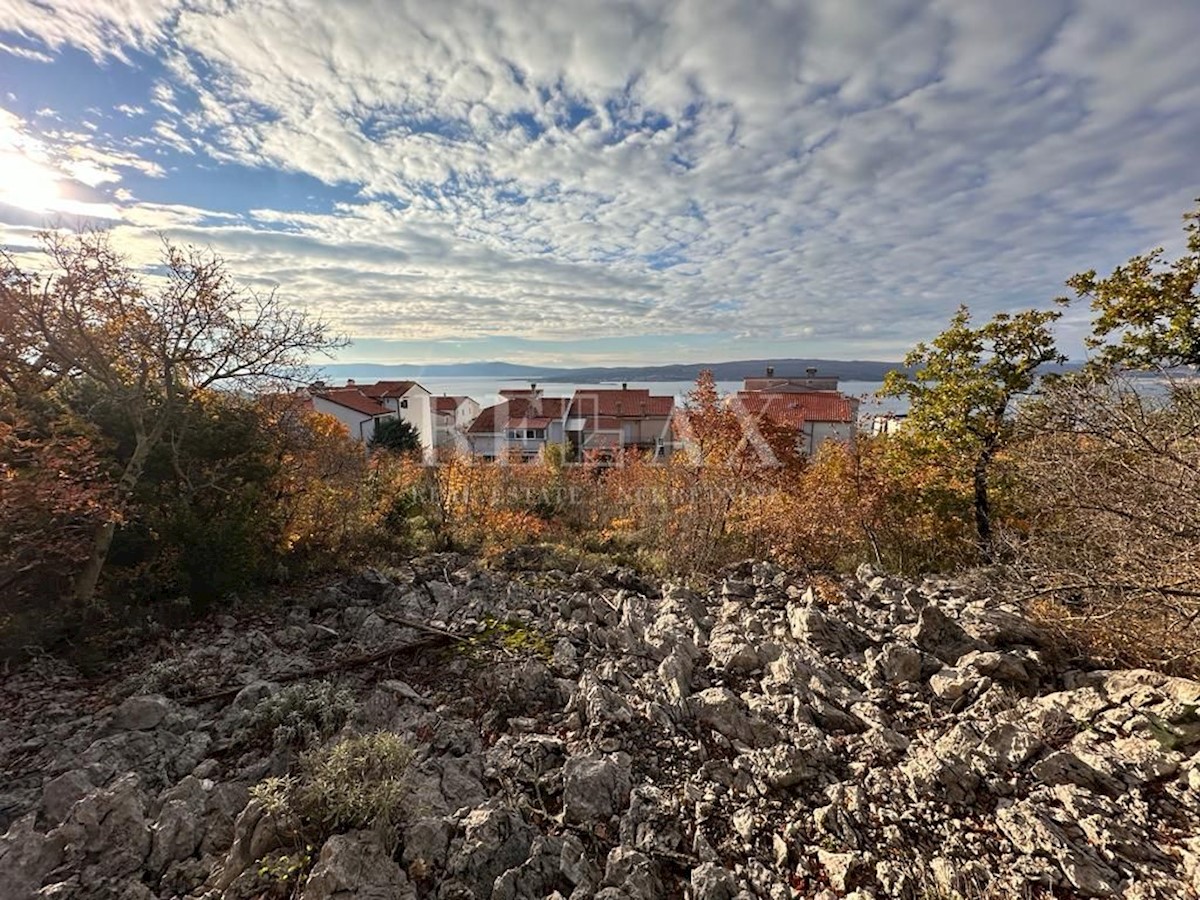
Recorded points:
(592, 735)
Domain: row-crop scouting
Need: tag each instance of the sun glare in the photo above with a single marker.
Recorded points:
(27, 184)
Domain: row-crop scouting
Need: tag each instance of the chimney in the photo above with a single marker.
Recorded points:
(770, 371)
(349, 382)
(533, 386)
(624, 385)
(810, 371)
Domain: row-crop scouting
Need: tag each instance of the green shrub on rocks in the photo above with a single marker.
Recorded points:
(300, 715)
(516, 639)
(359, 783)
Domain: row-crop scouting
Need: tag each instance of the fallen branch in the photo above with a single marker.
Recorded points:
(341, 665)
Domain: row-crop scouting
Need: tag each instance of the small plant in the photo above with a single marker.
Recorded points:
(300, 715)
(275, 794)
(173, 677)
(358, 783)
(286, 868)
(518, 639)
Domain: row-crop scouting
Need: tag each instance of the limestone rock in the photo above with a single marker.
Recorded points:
(710, 881)
(596, 787)
(356, 866)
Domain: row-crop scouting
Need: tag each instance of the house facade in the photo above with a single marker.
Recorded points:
(603, 422)
(812, 404)
(361, 407)
(354, 409)
(452, 418)
(521, 425)
(410, 403)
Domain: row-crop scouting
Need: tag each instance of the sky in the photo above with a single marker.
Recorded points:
(634, 181)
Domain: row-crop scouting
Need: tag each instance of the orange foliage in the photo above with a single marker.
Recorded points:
(54, 491)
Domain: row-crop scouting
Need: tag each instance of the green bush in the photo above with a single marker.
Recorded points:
(300, 715)
(358, 783)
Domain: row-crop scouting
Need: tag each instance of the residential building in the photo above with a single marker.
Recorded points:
(522, 424)
(603, 422)
(810, 381)
(354, 409)
(452, 416)
(812, 404)
(411, 403)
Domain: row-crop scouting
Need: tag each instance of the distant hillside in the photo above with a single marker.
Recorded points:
(848, 370)
(337, 371)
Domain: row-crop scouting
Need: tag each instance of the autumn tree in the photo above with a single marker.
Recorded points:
(149, 346)
(1114, 543)
(1147, 312)
(721, 435)
(962, 389)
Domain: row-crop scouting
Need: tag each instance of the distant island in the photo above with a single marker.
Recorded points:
(847, 370)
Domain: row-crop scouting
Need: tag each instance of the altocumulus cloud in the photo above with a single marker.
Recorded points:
(832, 176)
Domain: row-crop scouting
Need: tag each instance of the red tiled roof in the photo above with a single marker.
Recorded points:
(381, 389)
(629, 404)
(485, 422)
(792, 384)
(812, 406)
(781, 409)
(353, 398)
(517, 412)
(447, 404)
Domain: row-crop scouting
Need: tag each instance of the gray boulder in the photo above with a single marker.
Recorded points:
(356, 866)
(595, 787)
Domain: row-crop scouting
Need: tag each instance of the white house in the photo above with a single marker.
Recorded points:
(522, 423)
(452, 417)
(410, 403)
(887, 423)
(354, 409)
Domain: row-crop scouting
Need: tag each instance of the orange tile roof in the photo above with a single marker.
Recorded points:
(600, 423)
(784, 410)
(517, 412)
(382, 389)
(353, 398)
(447, 404)
(811, 406)
(636, 404)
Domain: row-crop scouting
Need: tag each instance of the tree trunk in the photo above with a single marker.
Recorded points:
(983, 509)
(89, 577)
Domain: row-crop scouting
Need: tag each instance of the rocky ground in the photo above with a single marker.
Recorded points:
(601, 736)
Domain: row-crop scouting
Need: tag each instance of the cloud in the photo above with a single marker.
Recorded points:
(839, 172)
(25, 53)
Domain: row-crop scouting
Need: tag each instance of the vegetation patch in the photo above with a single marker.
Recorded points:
(300, 715)
(521, 640)
(361, 782)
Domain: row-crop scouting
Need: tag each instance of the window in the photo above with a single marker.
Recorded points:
(404, 404)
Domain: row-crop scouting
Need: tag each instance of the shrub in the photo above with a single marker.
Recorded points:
(300, 715)
(1112, 546)
(396, 436)
(359, 783)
